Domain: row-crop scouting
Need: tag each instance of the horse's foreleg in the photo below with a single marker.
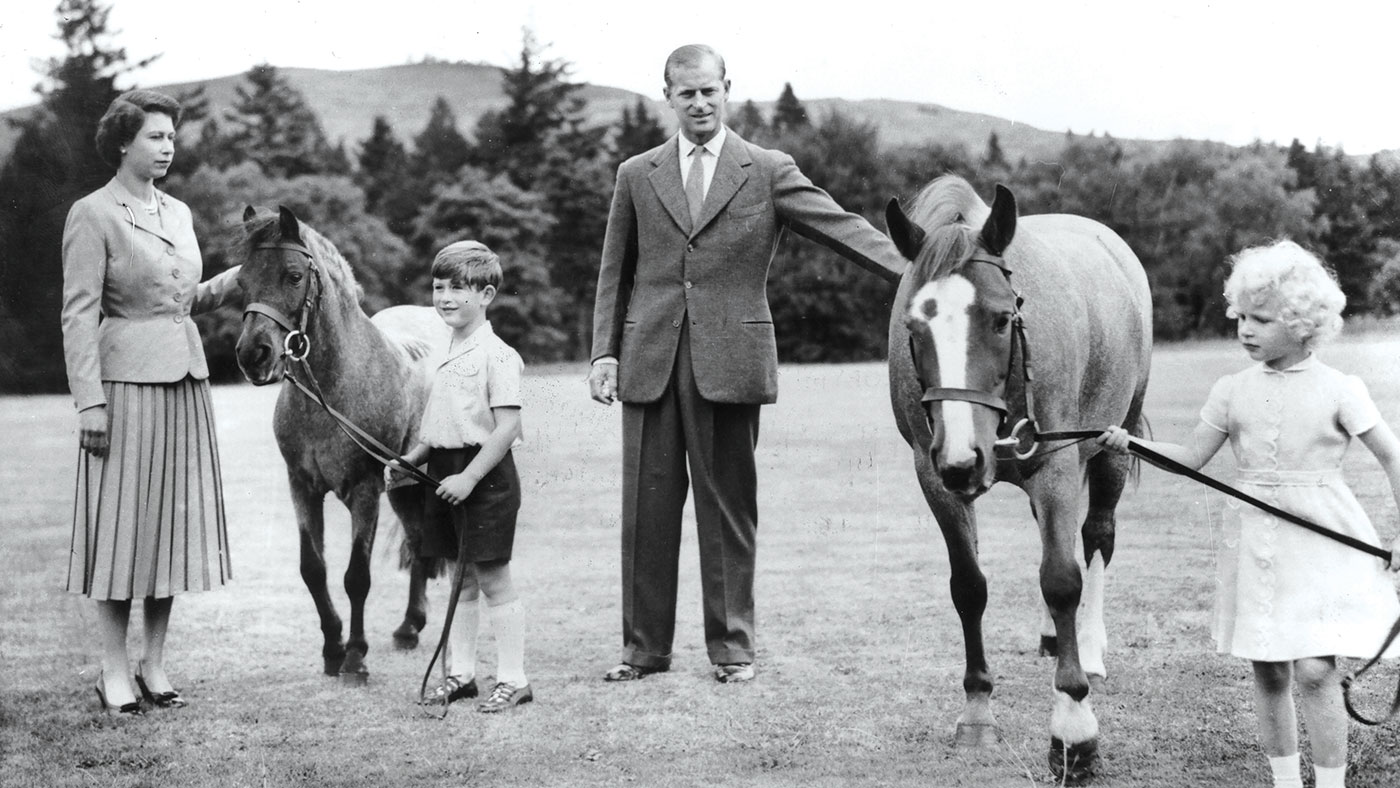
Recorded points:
(1073, 727)
(1107, 473)
(364, 519)
(311, 523)
(976, 725)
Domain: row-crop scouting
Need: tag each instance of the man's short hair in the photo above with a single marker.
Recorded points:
(468, 263)
(692, 56)
(124, 118)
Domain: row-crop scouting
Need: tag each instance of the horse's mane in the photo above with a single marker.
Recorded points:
(266, 228)
(950, 211)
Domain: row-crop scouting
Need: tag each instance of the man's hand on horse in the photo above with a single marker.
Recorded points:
(1114, 439)
(602, 382)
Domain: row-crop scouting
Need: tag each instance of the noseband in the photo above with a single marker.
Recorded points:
(1020, 438)
(297, 343)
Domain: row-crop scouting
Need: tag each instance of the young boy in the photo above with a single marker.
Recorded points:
(470, 424)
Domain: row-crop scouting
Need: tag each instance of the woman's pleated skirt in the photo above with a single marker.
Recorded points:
(148, 519)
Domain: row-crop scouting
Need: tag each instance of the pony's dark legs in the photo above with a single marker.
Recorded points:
(363, 503)
(312, 526)
(407, 503)
(958, 521)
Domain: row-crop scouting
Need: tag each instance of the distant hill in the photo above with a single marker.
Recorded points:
(347, 102)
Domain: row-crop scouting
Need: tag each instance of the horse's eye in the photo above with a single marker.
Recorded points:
(294, 277)
(1002, 323)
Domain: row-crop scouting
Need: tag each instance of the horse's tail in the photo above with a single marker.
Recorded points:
(1140, 428)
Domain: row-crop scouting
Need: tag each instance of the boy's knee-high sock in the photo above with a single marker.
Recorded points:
(461, 643)
(508, 620)
(1286, 771)
(1330, 776)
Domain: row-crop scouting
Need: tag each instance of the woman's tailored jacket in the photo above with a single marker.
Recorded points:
(129, 286)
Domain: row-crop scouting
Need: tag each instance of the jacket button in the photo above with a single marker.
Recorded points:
(675, 324)
(688, 284)
(179, 318)
(178, 296)
(175, 272)
(690, 247)
(170, 250)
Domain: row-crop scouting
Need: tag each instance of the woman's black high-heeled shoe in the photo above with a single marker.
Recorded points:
(163, 700)
(132, 709)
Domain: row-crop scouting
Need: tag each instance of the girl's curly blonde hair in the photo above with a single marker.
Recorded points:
(1295, 280)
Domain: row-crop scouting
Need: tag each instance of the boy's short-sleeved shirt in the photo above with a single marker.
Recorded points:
(466, 383)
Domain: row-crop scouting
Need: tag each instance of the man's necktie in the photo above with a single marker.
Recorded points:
(695, 184)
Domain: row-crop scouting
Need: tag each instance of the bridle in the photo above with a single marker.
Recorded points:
(297, 344)
(1021, 436)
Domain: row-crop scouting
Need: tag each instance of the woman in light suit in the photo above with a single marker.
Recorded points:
(148, 518)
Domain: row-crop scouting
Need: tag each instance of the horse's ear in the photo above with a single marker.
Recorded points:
(908, 237)
(287, 224)
(249, 213)
(1000, 226)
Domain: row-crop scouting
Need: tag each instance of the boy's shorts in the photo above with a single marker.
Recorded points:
(481, 528)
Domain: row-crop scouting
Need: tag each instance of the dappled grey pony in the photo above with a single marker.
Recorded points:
(370, 370)
(991, 339)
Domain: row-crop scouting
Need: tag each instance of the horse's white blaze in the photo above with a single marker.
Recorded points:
(1071, 721)
(953, 297)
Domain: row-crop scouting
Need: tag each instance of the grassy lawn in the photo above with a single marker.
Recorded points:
(860, 653)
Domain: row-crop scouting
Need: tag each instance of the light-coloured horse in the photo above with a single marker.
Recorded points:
(370, 370)
(971, 314)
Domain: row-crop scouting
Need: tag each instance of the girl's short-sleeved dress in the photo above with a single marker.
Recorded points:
(1284, 592)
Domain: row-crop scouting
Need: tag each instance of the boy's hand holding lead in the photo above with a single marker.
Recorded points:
(456, 488)
(1115, 439)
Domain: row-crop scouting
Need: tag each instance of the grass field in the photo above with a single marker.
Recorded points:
(860, 655)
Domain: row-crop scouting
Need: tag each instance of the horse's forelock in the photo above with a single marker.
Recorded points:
(951, 212)
(266, 228)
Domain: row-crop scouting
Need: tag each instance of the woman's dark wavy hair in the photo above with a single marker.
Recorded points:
(124, 118)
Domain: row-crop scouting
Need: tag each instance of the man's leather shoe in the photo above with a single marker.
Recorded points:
(629, 672)
(734, 673)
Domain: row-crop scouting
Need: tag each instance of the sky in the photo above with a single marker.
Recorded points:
(1227, 71)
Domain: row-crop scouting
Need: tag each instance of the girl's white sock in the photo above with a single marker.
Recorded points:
(1330, 776)
(1286, 771)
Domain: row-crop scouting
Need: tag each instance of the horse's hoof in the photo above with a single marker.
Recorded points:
(332, 665)
(1073, 764)
(405, 638)
(354, 678)
(1049, 646)
(975, 734)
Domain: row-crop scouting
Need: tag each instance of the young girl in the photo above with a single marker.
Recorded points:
(1290, 600)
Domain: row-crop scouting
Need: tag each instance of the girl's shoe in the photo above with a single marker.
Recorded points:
(504, 696)
(132, 709)
(450, 690)
(163, 700)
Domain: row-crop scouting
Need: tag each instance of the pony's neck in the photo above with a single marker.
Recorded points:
(342, 335)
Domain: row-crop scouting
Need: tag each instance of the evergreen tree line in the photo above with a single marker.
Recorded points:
(534, 182)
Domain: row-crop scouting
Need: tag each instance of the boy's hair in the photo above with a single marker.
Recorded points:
(1294, 279)
(468, 263)
(124, 118)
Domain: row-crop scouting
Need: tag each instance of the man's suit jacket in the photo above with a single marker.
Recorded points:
(129, 286)
(658, 270)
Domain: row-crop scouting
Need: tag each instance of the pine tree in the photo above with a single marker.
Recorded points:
(541, 101)
(788, 113)
(638, 131)
(53, 163)
(383, 164)
(748, 122)
(439, 150)
(271, 125)
(995, 157)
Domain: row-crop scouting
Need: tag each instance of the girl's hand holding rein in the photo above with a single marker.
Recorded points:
(1114, 439)
(92, 430)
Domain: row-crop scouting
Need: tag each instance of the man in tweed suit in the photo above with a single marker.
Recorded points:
(683, 336)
